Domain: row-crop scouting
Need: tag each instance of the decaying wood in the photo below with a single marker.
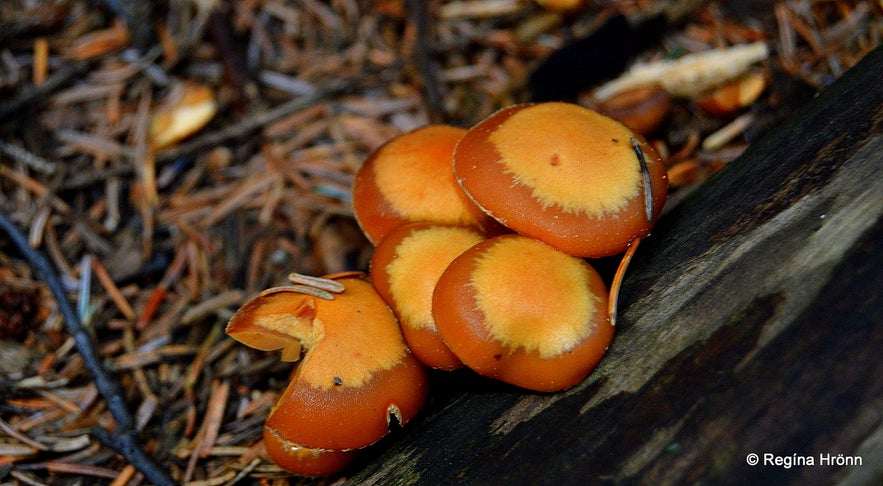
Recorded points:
(751, 323)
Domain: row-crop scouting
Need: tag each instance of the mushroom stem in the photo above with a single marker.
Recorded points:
(645, 178)
(617, 279)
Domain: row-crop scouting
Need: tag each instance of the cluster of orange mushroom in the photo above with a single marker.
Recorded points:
(481, 238)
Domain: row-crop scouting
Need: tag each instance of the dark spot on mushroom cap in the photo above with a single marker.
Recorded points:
(555, 160)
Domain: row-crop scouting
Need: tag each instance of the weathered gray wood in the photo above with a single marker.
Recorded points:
(751, 322)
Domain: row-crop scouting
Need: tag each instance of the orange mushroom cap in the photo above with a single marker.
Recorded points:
(641, 109)
(304, 461)
(733, 96)
(516, 309)
(357, 371)
(563, 6)
(563, 174)
(410, 179)
(405, 267)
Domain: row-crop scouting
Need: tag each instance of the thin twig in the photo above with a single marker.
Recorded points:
(33, 94)
(422, 56)
(28, 158)
(645, 178)
(617, 280)
(123, 440)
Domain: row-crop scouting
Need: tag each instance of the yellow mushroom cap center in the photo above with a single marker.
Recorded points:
(570, 157)
(416, 176)
(360, 336)
(347, 339)
(533, 296)
(420, 260)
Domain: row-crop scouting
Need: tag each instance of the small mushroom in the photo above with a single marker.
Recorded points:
(409, 179)
(566, 175)
(518, 310)
(642, 109)
(563, 6)
(405, 267)
(356, 374)
(733, 96)
(188, 110)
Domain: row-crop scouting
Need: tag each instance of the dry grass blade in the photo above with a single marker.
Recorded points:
(301, 289)
(33, 161)
(15, 434)
(318, 282)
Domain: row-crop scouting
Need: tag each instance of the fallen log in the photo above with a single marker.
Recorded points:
(750, 324)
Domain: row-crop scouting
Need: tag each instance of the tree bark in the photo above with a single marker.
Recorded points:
(750, 323)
